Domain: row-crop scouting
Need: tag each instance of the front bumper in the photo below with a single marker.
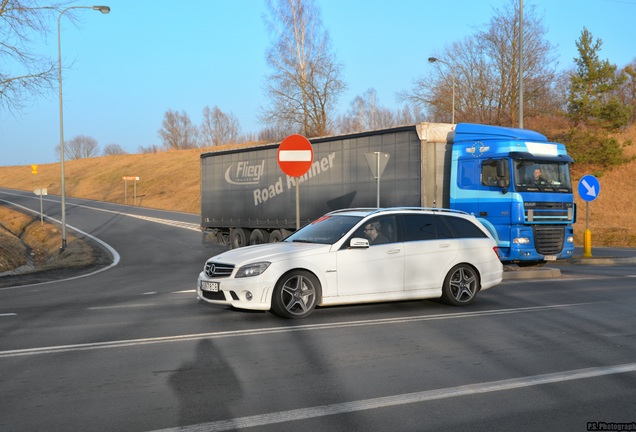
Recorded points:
(244, 293)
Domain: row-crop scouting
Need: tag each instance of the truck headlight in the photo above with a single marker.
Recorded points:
(570, 239)
(521, 240)
(252, 269)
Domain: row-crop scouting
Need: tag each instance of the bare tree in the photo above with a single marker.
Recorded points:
(81, 146)
(178, 132)
(24, 73)
(114, 150)
(485, 70)
(365, 113)
(152, 148)
(218, 128)
(305, 81)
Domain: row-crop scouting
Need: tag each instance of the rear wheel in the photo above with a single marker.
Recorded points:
(461, 285)
(296, 294)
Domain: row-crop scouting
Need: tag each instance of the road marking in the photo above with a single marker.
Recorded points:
(190, 291)
(131, 306)
(270, 330)
(403, 399)
(8, 314)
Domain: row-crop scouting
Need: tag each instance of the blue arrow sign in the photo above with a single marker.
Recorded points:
(589, 188)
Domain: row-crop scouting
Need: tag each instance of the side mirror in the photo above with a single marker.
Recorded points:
(358, 243)
(501, 168)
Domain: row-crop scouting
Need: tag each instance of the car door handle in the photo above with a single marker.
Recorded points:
(444, 245)
(393, 251)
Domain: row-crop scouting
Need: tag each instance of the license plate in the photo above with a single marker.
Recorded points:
(550, 257)
(210, 286)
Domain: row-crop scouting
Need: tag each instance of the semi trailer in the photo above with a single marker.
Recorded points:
(514, 181)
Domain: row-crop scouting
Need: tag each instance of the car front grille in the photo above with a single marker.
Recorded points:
(218, 270)
(549, 239)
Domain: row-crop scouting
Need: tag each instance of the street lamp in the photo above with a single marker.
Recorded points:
(435, 59)
(104, 10)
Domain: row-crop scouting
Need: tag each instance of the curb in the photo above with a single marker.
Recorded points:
(600, 260)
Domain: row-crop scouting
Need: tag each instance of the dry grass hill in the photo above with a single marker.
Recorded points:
(170, 180)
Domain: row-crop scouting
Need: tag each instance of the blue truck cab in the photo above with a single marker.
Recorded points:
(518, 184)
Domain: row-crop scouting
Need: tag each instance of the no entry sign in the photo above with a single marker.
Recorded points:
(295, 155)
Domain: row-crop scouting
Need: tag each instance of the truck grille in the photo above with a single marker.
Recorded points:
(218, 270)
(549, 239)
(548, 212)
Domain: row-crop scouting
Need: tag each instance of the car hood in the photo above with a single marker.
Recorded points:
(271, 252)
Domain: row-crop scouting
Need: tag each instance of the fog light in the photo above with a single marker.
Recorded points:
(248, 296)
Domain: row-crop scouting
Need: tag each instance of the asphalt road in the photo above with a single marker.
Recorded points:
(130, 349)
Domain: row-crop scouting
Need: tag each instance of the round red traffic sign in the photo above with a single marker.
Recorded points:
(295, 155)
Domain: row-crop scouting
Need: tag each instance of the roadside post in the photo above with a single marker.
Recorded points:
(589, 189)
(295, 156)
(40, 192)
(134, 179)
(34, 171)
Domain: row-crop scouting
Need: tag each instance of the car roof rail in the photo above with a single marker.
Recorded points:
(373, 210)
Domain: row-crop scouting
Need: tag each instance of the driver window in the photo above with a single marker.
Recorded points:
(380, 230)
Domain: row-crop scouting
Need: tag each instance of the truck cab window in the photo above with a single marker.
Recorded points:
(490, 176)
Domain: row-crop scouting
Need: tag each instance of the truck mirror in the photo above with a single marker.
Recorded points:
(501, 168)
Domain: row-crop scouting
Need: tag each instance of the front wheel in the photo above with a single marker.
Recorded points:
(296, 294)
(461, 285)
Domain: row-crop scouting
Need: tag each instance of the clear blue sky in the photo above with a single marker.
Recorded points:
(150, 56)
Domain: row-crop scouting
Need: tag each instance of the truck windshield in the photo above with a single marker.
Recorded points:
(542, 176)
(327, 229)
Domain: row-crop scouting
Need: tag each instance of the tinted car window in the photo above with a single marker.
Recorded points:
(463, 228)
(419, 227)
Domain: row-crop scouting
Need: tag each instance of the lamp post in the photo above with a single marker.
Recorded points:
(435, 59)
(104, 10)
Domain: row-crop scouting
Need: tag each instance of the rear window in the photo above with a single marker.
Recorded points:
(419, 227)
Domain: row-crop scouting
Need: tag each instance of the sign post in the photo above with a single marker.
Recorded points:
(377, 162)
(589, 189)
(295, 156)
(135, 179)
(40, 192)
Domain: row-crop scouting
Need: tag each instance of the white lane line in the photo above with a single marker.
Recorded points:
(270, 330)
(179, 224)
(108, 247)
(131, 306)
(190, 291)
(8, 314)
(403, 399)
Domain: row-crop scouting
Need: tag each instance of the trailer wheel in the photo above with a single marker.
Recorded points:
(259, 236)
(275, 236)
(238, 237)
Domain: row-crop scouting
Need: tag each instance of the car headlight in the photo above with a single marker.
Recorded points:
(252, 269)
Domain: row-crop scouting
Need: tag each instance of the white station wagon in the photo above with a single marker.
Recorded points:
(358, 256)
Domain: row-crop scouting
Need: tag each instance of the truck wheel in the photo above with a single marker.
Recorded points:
(259, 236)
(461, 285)
(238, 237)
(275, 236)
(296, 294)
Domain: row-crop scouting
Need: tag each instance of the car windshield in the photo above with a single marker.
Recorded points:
(542, 176)
(327, 229)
